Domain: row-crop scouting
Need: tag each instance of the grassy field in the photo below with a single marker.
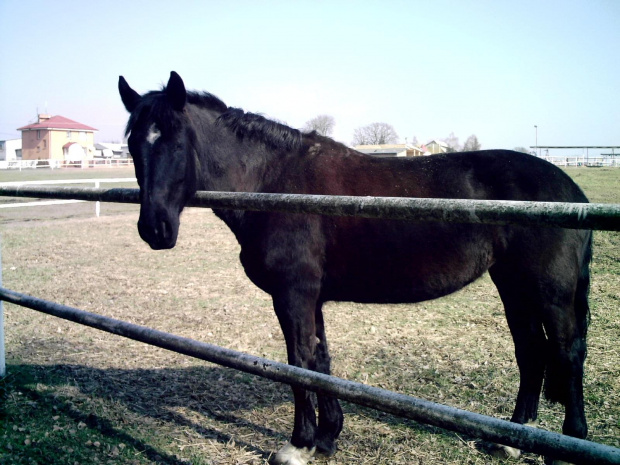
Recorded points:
(79, 396)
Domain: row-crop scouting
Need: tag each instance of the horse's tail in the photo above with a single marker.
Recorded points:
(559, 364)
(582, 308)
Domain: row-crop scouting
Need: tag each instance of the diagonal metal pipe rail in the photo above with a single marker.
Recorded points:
(499, 212)
(473, 424)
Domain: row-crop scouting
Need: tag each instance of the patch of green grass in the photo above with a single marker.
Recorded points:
(601, 185)
(39, 426)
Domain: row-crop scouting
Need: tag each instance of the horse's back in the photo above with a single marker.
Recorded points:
(486, 174)
(373, 260)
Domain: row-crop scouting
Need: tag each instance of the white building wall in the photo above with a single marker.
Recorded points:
(9, 149)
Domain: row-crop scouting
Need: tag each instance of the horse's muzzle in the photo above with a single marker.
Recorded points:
(159, 233)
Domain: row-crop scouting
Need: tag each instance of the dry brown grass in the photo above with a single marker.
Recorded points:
(456, 350)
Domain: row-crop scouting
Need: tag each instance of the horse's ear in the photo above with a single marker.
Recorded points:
(175, 90)
(130, 97)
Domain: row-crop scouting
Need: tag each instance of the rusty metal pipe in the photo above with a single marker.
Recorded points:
(498, 212)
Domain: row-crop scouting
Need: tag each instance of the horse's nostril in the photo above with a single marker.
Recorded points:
(166, 230)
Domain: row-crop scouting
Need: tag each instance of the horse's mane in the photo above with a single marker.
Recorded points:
(245, 125)
(256, 127)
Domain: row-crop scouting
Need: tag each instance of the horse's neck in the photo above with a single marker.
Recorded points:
(232, 165)
(238, 168)
(227, 164)
(234, 172)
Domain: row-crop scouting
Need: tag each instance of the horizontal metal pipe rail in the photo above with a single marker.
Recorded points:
(454, 419)
(499, 212)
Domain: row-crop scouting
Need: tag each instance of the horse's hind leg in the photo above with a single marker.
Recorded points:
(330, 412)
(564, 380)
(552, 287)
(523, 315)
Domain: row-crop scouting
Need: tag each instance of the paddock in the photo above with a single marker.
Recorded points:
(374, 330)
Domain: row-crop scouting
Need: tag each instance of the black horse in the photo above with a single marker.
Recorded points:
(183, 141)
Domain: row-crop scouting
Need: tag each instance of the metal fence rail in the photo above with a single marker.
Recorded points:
(547, 214)
(454, 419)
(96, 181)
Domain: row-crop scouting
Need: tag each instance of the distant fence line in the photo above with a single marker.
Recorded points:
(120, 162)
(583, 161)
(553, 214)
(56, 164)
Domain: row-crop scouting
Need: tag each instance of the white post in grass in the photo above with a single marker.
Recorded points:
(2, 361)
(97, 204)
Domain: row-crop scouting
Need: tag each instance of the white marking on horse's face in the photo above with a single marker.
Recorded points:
(153, 134)
(291, 455)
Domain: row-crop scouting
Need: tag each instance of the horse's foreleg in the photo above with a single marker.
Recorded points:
(330, 412)
(296, 313)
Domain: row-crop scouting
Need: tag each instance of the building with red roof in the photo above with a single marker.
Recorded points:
(57, 138)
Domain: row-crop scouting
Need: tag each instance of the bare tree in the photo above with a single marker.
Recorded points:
(453, 143)
(323, 124)
(375, 134)
(524, 150)
(471, 144)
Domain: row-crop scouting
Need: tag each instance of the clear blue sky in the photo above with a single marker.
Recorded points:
(491, 68)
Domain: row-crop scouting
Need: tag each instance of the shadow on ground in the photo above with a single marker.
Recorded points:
(219, 401)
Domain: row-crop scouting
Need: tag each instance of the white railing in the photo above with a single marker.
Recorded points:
(55, 164)
(583, 161)
(38, 203)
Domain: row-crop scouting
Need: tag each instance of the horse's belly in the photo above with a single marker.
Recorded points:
(408, 267)
(382, 289)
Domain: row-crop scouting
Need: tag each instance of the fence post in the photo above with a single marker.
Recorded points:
(2, 355)
(97, 204)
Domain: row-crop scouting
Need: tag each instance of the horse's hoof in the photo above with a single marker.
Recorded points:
(291, 455)
(505, 452)
(325, 448)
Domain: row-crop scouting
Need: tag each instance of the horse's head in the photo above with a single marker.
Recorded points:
(162, 144)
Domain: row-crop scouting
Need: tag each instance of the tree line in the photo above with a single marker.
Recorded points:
(383, 133)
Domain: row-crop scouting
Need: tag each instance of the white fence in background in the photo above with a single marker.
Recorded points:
(56, 164)
(583, 161)
(38, 203)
